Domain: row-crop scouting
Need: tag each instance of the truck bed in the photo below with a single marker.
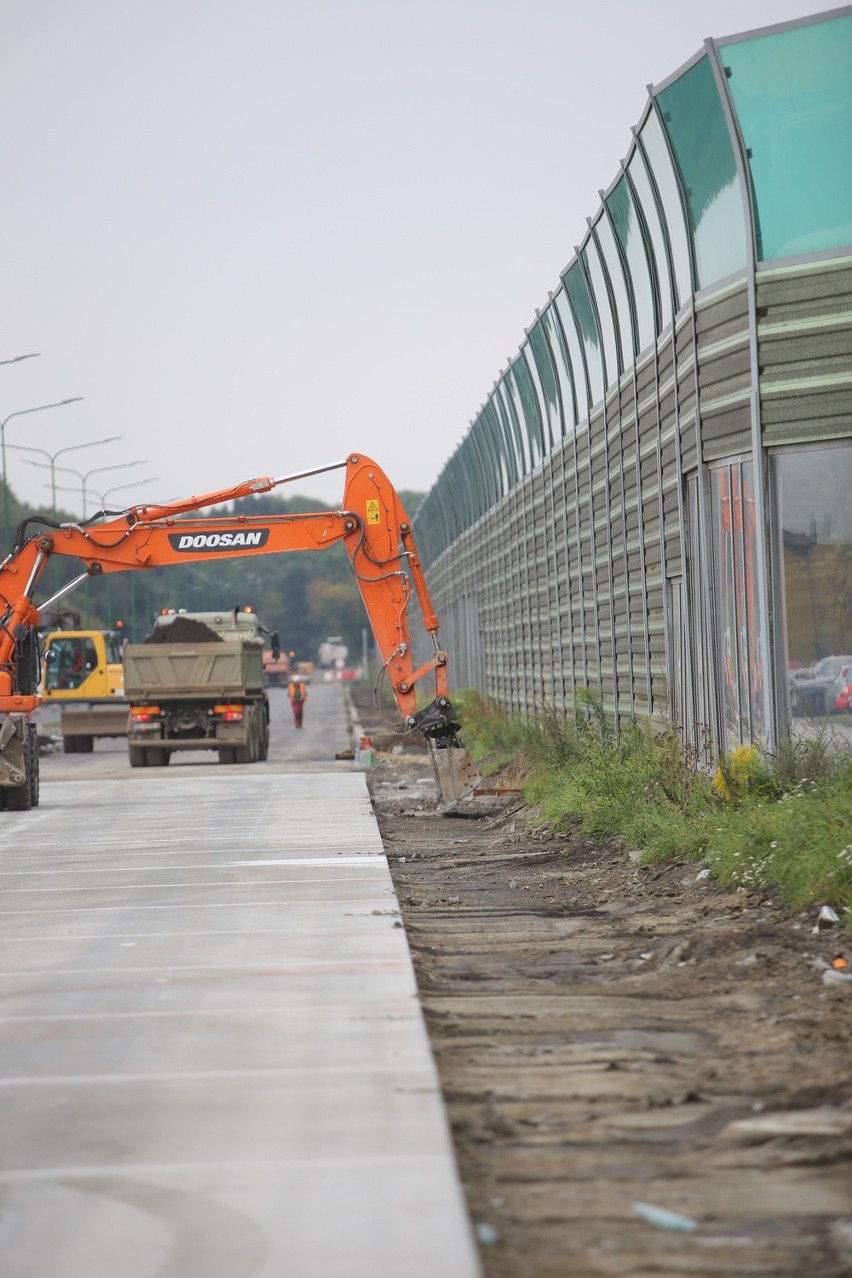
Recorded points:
(189, 671)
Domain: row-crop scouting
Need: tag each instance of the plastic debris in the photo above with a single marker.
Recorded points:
(486, 1234)
(840, 961)
(828, 1120)
(664, 1219)
(702, 874)
(832, 977)
(827, 917)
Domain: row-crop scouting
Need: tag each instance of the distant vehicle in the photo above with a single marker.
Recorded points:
(276, 669)
(843, 690)
(333, 653)
(812, 692)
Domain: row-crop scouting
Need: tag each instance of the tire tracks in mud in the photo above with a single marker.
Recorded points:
(610, 1035)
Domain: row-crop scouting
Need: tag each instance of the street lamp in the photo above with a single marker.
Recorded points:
(84, 479)
(51, 457)
(39, 408)
(102, 497)
(16, 359)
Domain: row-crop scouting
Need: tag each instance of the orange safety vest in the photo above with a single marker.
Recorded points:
(297, 692)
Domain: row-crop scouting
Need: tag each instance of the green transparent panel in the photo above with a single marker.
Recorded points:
(551, 327)
(575, 354)
(594, 272)
(792, 92)
(695, 122)
(547, 377)
(530, 413)
(512, 408)
(605, 237)
(628, 229)
(507, 444)
(498, 447)
(637, 171)
(581, 304)
(654, 141)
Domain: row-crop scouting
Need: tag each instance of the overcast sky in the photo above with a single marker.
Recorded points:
(257, 235)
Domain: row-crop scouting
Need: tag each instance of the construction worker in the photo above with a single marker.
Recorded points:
(298, 695)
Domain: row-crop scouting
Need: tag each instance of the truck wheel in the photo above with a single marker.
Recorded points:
(19, 799)
(829, 701)
(226, 754)
(138, 756)
(69, 745)
(34, 767)
(158, 758)
(85, 745)
(242, 754)
(263, 753)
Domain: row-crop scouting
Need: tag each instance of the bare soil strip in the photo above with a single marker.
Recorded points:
(616, 1042)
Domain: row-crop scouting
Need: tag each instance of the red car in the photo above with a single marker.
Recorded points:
(843, 689)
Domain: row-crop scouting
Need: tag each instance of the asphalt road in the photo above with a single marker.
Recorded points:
(325, 732)
(213, 1061)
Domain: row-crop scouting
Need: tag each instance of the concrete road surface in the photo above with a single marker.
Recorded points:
(212, 1058)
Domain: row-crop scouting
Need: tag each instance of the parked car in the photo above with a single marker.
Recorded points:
(843, 690)
(813, 691)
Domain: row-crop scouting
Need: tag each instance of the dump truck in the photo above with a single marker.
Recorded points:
(196, 683)
(84, 679)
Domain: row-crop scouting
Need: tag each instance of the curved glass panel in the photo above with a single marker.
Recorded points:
(656, 148)
(581, 304)
(594, 271)
(498, 447)
(516, 468)
(526, 404)
(507, 445)
(628, 229)
(510, 401)
(575, 355)
(543, 371)
(792, 92)
(486, 492)
(615, 270)
(638, 174)
(695, 123)
(555, 341)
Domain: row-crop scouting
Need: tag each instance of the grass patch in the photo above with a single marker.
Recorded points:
(781, 821)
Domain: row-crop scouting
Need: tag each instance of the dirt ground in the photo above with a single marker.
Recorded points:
(614, 1040)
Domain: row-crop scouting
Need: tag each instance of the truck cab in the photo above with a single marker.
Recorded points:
(80, 664)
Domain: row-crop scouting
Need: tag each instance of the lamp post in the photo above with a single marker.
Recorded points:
(51, 458)
(102, 497)
(39, 408)
(16, 359)
(84, 478)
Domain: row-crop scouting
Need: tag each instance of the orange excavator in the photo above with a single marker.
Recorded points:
(372, 525)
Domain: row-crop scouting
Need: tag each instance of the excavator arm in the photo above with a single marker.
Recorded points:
(371, 523)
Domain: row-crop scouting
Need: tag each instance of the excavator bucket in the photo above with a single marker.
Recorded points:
(456, 774)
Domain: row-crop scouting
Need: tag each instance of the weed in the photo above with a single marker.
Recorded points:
(779, 820)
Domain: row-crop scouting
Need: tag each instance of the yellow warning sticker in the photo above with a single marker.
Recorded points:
(373, 513)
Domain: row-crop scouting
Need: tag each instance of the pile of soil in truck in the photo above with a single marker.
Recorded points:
(183, 630)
